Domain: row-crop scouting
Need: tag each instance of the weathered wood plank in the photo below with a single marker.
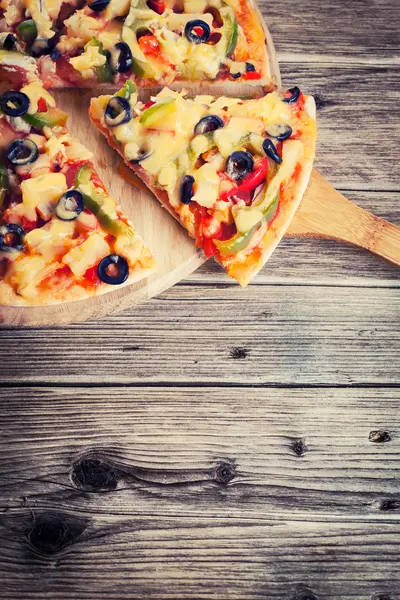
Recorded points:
(83, 556)
(357, 31)
(263, 335)
(265, 453)
(358, 122)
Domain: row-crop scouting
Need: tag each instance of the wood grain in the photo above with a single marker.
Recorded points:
(332, 32)
(62, 555)
(290, 335)
(266, 453)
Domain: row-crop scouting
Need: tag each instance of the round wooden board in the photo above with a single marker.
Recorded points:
(175, 251)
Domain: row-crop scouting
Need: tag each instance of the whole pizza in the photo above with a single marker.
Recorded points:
(231, 169)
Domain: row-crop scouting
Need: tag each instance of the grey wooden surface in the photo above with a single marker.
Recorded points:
(218, 443)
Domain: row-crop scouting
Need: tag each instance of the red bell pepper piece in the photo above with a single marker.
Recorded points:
(251, 75)
(42, 105)
(253, 179)
(149, 44)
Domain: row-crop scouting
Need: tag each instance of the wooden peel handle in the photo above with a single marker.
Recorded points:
(325, 213)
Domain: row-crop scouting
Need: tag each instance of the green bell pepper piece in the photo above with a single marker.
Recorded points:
(240, 241)
(83, 176)
(127, 91)
(4, 184)
(104, 73)
(158, 111)
(231, 33)
(94, 204)
(51, 118)
(27, 31)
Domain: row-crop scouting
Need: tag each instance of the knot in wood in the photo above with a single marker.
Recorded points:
(379, 596)
(298, 447)
(379, 437)
(95, 474)
(304, 594)
(224, 473)
(389, 504)
(51, 533)
(239, 353)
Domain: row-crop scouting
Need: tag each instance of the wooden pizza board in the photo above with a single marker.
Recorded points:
(323, 213)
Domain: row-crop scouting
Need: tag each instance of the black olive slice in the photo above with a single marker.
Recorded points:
(250, 68)
(294, 95)
(99, 5)
(22, 152)
(124, 61)
(197, 31)
(187, 189)
(118, 111)
(279, 131)
(113, 269)
(14, 104)
(208, 123)
(55, 54)
(142, 156)
(70, 205)
(271, 151)
(239, 164)
(11, 237)
(9, 42)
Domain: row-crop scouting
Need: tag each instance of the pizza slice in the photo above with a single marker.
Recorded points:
(232, 171)
(154, 42)
(62, 236)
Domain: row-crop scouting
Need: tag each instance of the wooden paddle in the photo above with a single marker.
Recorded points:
(325, 213)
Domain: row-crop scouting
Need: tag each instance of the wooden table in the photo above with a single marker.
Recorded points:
(218, 443)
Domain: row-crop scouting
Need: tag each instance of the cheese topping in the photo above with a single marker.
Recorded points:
(35, 91)
(45, 188)
(89, 60)
(38, 11)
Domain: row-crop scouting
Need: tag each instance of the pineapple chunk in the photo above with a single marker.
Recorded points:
(81, 258)
(45, 188)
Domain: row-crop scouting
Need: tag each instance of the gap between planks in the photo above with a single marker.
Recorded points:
(193, 385)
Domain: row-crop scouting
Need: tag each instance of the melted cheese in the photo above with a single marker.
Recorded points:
(35, 91)
(117, 8)
(207, 185)
(46, 188)
(41, 17)
(89, 60)
(82, 26)
(52, 240)
(53, 8)
(26, 272)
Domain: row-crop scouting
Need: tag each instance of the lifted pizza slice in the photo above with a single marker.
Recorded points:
(62, 236)
(232, 171)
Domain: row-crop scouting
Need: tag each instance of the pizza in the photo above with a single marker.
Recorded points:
(153, 42)
(232, 171)
(62, 236)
